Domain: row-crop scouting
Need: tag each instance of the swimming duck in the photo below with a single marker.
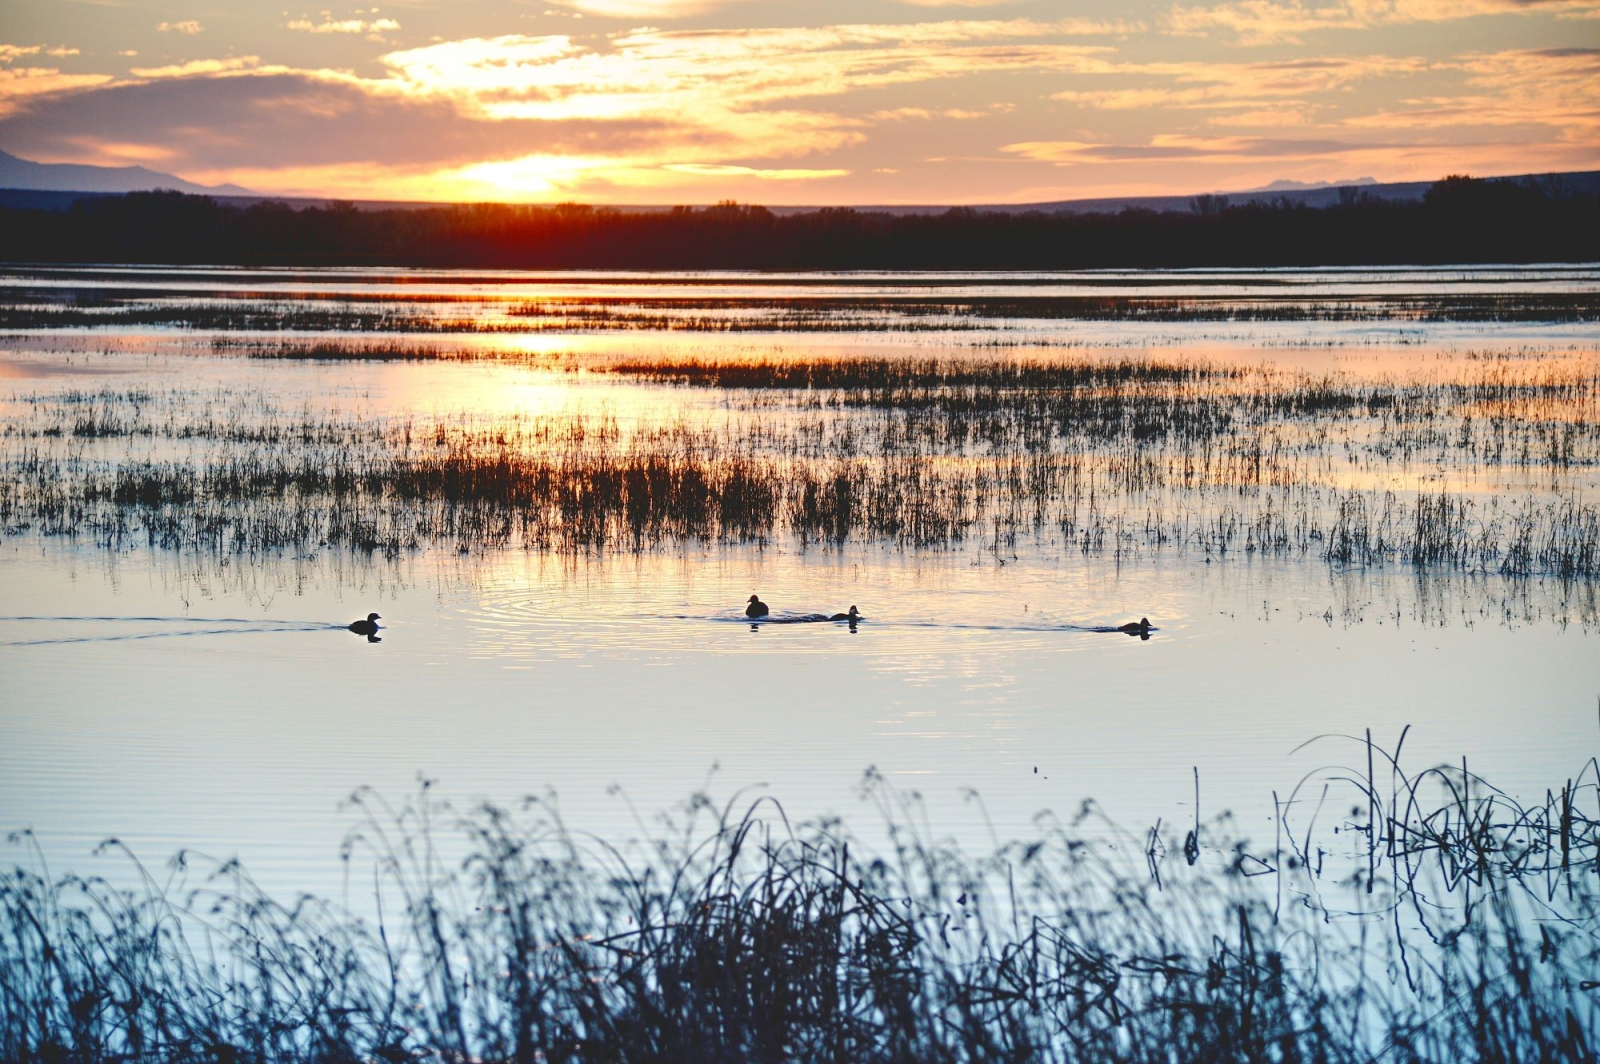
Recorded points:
(852, 616)
(757, 608)
(368, 627)
(1142, 627)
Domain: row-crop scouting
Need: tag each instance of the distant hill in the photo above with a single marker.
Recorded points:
(21, 174)
(1297, 193)
(1285, 185)
(27, 185)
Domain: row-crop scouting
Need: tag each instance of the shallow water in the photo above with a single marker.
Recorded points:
(219, 704)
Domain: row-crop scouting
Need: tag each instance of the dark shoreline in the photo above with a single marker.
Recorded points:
(1458, 221)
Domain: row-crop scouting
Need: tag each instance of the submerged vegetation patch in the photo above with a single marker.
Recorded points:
(1424, 917)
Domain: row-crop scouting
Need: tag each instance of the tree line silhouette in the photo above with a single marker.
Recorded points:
(1459, 220)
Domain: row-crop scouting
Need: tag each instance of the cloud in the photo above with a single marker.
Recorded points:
(716, 170)
(1178, 148)
(264, 118)
(19, 83)
(1282, 116)
(1554, 88)
(1511, 110)
(715, 74)
(905, 114)
(1210, 86)
(1411, 154)
(10, 53)
(1258, 22)
(664, 108)
(196, 67)
(349, 25)
(645, 107)
(190, 27)
(643, 9)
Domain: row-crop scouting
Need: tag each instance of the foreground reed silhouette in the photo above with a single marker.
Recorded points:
(1444, 922)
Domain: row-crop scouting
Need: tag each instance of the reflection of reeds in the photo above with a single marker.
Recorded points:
(1445, 923)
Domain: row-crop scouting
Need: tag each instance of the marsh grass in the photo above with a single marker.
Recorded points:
(385, 312)
(1424, 917)
(1479, 468)
(579, 486)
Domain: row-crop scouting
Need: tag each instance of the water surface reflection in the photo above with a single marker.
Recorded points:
(205, 692)
(510, 674)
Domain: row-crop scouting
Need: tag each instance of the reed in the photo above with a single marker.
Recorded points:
(363, 313)
(1482, 469)
(573, 488)
(1449, 923)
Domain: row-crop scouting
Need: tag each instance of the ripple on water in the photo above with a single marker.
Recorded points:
(530, 612)
(26, 631)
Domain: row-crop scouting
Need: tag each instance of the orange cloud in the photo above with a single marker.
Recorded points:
(688, 73)
(715, 170)
(1256, 87)
(720, 97)
(1555, 90)
(198, 67)
(647, 9)
(1181, 148)
(1400, 160)
(349, 25)
(1255, 22)
(19, 83)
(10, 53)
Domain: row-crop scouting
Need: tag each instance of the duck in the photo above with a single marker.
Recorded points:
(757, 608)
(1140, 627)
(368, 627)
(852, 616)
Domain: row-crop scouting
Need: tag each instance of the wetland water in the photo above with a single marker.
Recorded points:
(1346, 499)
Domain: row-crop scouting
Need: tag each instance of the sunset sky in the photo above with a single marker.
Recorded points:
(801, 101)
